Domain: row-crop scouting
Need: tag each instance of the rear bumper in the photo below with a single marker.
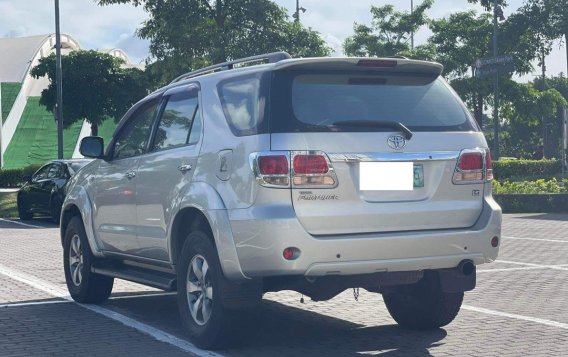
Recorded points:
(261, 233)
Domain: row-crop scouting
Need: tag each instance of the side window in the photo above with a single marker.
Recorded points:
(176, 121)
(41, 174)
(133, 137)
(243, 101)
(54, 171)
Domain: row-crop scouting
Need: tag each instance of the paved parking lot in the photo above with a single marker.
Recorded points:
(520, 307)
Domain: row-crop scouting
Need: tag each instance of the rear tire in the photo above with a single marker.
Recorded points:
(207, 321)
(84, 286)
(423, 306)
(55, 210)
(23, 212)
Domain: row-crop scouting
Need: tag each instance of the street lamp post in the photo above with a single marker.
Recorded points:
(296, 15)
(412, 33)
(59, 107)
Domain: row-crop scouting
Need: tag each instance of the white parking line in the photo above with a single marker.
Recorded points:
(20, 223)
(517, 317)
(544, 266)
(538, 239)
(157, 334)
(33, 303)
(49, 302)
(510, 269)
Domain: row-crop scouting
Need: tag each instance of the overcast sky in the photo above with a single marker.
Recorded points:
(114, 26)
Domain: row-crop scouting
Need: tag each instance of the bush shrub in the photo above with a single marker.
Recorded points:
(526, 169)
(530, 187)
(12, 178)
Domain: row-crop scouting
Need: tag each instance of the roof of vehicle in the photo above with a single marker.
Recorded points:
(279, 61)
(73, 161)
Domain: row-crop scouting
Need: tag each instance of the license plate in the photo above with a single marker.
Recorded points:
(390, 176)
(418, 176)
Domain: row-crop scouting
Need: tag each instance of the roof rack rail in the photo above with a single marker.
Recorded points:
(399, 57)
(265, 58)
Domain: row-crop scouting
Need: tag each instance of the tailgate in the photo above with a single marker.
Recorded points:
(433, 201)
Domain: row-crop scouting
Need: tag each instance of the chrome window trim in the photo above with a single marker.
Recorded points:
(395, 156)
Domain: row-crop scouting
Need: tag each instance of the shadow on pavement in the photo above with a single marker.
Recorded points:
(546, 217)
(281, 330)
(36, 223)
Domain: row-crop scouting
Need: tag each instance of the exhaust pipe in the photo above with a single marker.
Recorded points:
(466, 267)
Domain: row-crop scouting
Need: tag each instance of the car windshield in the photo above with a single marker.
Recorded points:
(328, 102)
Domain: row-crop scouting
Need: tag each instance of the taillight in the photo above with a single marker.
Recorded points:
(307, 169)
(312, 169)
(488, 166)
(310, 164)
(471, 161)
(473, 166)
(273, 165)
(272, 169)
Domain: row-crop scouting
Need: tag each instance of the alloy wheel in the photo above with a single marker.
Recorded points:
(199, 290)
(76, 260)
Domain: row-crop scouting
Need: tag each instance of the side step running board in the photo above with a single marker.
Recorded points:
(155, 279)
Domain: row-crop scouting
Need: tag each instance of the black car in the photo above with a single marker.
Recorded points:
(44, 191)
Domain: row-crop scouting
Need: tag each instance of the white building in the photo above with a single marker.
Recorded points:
(27, 136)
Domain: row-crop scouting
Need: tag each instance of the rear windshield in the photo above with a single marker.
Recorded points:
(328, 101)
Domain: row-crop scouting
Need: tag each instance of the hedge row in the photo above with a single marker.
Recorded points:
(12, 178)
(536, 203)
(540, 186)
(526, 169)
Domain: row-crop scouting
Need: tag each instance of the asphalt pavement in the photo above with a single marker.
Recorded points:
(520, 307)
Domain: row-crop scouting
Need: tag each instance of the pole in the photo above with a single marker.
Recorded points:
(495, 152)
(543, 117)
(412, 33)
(297, 10)
(59, 108)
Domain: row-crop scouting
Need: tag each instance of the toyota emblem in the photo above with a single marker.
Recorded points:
(396, 142)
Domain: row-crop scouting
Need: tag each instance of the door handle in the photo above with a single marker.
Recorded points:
(130, 174)
(184, 167)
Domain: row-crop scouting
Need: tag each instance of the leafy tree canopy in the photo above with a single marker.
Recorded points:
(188, 34)
(95, 87)
(389, 33)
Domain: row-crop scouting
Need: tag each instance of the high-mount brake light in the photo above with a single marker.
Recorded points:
(473, 166)
(377, 63)
(308, 169)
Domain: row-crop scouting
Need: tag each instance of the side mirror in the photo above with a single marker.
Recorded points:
(92, 146)
(27, 178)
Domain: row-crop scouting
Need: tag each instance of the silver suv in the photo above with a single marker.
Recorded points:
(270, 173)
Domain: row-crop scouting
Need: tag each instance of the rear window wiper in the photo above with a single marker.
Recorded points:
(377, 124)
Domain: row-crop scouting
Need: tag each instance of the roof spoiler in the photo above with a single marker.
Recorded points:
(366, 64)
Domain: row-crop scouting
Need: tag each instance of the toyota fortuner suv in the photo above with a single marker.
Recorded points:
(271, 173)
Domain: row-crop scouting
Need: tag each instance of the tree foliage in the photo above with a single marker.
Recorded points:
(95, 87)
(549, 19)
(188, 34)
(389, 33)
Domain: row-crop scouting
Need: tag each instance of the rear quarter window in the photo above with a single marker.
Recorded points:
(244, 102)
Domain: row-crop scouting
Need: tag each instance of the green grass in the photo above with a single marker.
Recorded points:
(8, 205)
(9, 94)
(35, 139)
